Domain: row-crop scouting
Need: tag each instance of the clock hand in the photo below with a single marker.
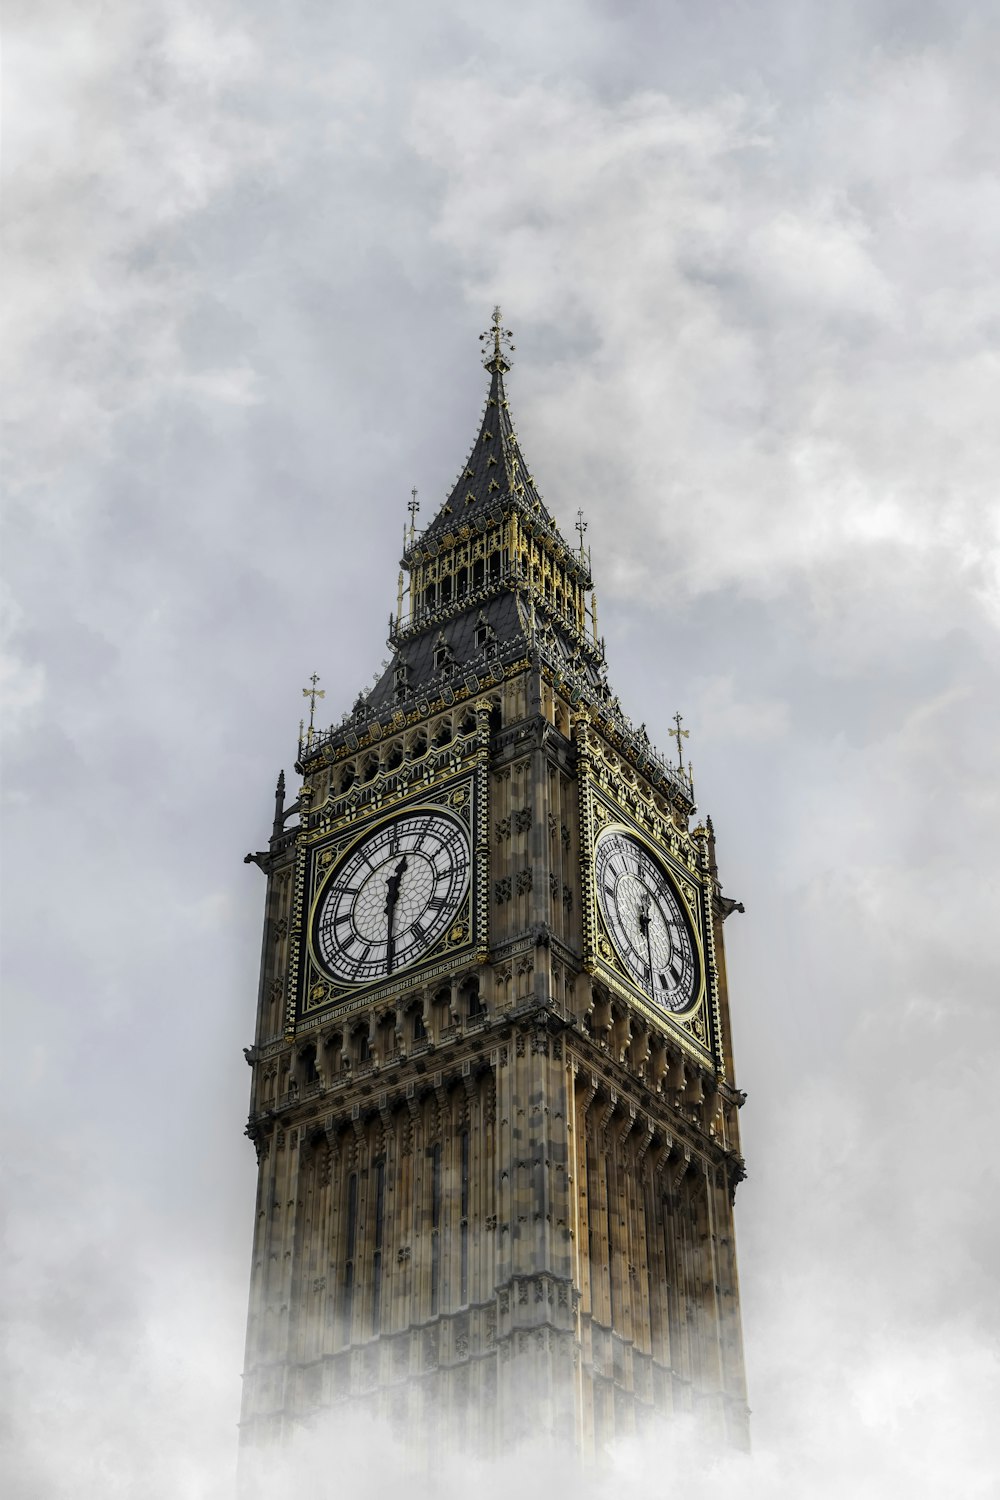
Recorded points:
(391, 897)
(644, 927)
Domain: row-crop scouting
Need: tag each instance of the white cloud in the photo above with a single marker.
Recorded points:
(721, 714)
(761, 366)
(750, 267)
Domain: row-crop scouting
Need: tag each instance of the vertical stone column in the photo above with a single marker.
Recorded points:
(732, 1372)
(588, 918)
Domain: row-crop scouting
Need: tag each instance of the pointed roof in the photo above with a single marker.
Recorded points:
(451, 648)
(496, 468)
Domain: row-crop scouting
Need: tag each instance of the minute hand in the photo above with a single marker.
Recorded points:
(644, 926)
(391, 897)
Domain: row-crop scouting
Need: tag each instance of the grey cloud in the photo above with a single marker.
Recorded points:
(747, 252)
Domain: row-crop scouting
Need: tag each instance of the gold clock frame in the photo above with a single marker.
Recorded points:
(320, 994)
(697, 1026)
(691, 919)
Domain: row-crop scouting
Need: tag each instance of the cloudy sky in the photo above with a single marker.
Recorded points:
(749, 253)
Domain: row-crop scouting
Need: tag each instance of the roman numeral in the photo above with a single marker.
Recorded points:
(438, 902)
(417, 933)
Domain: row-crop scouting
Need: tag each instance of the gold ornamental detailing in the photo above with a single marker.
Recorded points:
(497, 336)
(679, 734)
(312, 693)
(588, 895)
(701, 835)
(481, 873)
(297, 920)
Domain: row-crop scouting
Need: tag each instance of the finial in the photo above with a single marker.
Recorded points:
(312, 693)
(413, 508)
(279, 804)
(581, 526)
(496, 359)
(679, 734)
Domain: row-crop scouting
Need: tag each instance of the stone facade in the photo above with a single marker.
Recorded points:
(495, 1188)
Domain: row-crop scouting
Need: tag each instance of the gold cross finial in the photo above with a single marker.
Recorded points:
(312, 693)
(581, 526)
(413, 508)
(679, 734)
(499, 336)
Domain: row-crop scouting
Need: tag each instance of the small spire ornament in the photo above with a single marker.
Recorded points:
(581, 527)
(498, 336)
(312, 693)
(679, 734)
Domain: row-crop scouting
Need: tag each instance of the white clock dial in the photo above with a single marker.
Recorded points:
(645, 922)
(392, 897)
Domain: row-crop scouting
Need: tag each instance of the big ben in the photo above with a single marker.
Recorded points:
(493, 1098)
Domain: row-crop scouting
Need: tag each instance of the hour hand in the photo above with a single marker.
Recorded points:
(392, 886)
(391, 897)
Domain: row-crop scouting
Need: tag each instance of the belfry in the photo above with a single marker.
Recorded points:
(493, 1099)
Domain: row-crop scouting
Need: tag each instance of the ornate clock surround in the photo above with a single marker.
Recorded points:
(321, 995)
(681, 856)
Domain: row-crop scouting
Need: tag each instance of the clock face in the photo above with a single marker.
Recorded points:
(392, 897)
(645, 922)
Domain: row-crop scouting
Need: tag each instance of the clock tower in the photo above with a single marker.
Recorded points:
(493, 1100)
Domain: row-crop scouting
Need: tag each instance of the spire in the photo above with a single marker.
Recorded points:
(496, 468)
